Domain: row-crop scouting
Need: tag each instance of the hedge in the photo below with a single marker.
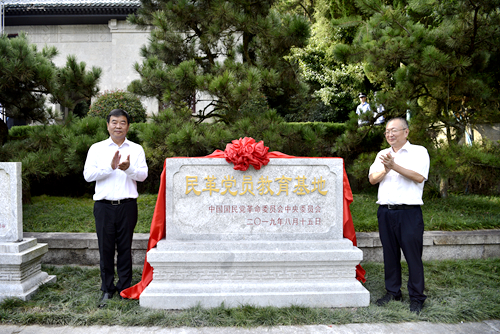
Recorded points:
(53, 156)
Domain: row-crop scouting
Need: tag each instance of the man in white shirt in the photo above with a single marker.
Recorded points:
(401, 172)
(362, 109)
(116, 164)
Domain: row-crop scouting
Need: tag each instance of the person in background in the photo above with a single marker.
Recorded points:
(362, 109)
(401, 171)
(115, 164)
(379, 114)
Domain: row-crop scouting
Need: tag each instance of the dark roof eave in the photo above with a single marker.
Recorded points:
(23, 20)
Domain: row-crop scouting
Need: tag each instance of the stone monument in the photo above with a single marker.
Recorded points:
(268, 237)
(20, 268)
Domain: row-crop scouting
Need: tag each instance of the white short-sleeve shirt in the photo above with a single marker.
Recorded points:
(394, 187)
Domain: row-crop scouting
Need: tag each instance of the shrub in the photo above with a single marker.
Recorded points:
(118, 100)
(467, 169)
(21, 130)
(53, 156)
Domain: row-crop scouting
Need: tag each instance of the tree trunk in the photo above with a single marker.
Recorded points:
(4, 132)
(443, 187)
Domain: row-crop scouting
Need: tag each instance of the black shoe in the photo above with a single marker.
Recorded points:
(387, 298)
(104, 299)
(416, 306)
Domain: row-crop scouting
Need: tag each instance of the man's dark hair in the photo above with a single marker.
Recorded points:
(405, 123)
(117, 113)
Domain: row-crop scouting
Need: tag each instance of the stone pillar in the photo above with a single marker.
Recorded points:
(272, 237)
(20, 268)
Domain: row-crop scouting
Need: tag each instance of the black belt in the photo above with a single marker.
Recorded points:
(117, 202)
(400, 206)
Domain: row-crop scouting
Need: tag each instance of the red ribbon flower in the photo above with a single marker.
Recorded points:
(246, 151)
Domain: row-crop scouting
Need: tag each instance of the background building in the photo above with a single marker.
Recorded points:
(96, 32)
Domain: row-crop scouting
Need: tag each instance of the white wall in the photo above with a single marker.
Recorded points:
(113, 47)
(480, 132)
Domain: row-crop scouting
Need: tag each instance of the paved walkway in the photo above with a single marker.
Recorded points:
(485, 327)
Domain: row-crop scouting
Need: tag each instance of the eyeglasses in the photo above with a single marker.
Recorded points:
(393, 131)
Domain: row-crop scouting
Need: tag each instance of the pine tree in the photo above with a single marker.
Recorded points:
(232, 51)
(28, 76)
(73, 83)
(437, 59)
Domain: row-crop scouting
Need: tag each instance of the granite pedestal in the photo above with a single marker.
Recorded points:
(20, 268)
(272, 237)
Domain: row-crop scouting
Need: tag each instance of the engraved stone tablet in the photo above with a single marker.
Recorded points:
(11, 210)
(268, 237)
(288, 199)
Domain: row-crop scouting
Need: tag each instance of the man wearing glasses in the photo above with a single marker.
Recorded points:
(401, 172)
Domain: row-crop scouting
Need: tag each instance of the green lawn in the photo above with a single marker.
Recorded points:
(462, 290)
(69, 214)
(458, 212)
(455, 213)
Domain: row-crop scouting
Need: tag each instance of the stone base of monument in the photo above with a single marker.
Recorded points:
(259, 273)
(20, 269)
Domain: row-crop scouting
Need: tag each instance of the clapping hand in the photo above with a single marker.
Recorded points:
(116, 160)
(115, 163)
(125, 164)
(387, 161)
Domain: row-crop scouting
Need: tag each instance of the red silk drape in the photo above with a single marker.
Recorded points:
(157, 231)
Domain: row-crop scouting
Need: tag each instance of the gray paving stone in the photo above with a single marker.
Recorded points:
(485, 327)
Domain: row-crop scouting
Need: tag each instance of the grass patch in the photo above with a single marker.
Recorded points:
(462, 212)
(455, 213)
(459, 290)
(458, 212)
(70, 214)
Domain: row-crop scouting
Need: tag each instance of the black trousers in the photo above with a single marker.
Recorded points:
(402, 230)
(115, 228)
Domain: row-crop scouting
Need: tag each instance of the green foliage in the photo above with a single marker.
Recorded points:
(236, 56)
(269, 127)
(358, 170)
(335, 84)
(74, 84)
(429, 58)
(81, 109)
(468, 169)
(21, 131)
(27, 76)
(254, 107)
(108, 101)
(53, 156)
